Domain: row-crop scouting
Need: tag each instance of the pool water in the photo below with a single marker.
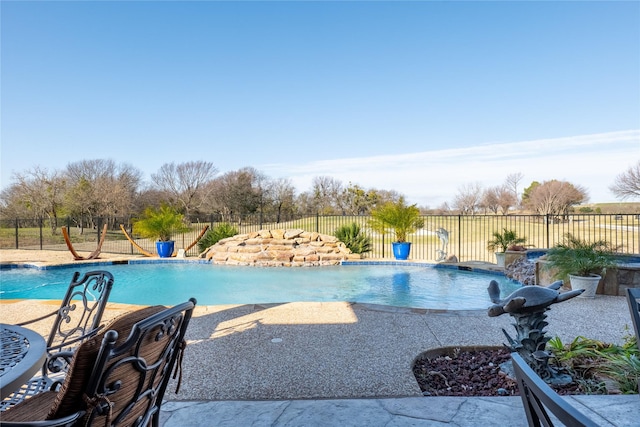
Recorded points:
(170, 283)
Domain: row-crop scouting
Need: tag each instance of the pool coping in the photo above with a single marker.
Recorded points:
(474, 266)
(94, 263)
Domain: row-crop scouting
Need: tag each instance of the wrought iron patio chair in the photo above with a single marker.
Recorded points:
(116, 378)
(539, 399)
(78, 318)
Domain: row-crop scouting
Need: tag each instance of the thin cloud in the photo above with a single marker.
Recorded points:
(433, 177)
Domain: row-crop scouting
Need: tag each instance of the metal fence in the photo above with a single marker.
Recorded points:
(464, 236)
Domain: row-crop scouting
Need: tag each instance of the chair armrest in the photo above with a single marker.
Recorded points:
(68, 421)
(28, 322)
(58, 362)
(77, 340)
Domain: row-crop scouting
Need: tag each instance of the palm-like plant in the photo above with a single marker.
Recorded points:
(398, 217)
(580, 258)
(353, 238)
(503, 239)
(160, 224)
(219, 232)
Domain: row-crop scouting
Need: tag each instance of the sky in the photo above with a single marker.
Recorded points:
(421, 97)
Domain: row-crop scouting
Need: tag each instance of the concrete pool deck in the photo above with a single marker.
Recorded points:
(343, 363)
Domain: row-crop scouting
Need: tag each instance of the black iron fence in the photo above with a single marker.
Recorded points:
(464, 236)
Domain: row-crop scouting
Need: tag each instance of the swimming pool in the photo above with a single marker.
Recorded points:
(169, 283)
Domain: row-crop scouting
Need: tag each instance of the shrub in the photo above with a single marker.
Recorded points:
(217, 233)
(353, 238)
(579, 257)
(594, 360)
(502, 240)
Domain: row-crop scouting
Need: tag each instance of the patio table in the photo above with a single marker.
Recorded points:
(22, 353)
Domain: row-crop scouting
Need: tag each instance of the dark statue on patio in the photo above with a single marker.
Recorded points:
(527, 306)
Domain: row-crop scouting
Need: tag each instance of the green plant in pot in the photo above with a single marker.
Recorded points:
(582, 262)
(160, 225)
(399, 218)
(503, 240)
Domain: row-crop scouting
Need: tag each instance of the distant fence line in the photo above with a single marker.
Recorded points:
(465, 236)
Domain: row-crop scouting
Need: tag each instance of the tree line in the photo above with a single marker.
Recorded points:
(101, 188)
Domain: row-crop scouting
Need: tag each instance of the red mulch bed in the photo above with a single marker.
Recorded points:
(470, 373)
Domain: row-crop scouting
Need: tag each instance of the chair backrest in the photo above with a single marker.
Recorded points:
(633, 295)
(81, 311)
(539, 399)
(131, 371)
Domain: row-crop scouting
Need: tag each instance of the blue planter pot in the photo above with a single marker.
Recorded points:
(165, 249)
(401, 250)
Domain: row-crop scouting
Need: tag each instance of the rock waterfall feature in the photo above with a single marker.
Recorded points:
(279, 248)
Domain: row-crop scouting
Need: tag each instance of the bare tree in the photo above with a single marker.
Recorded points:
(235, 194)
(358, 201)
(40, 192)
(467, 200)
(102, 188)
(443, 209)
(555, 197)
(304, 203)
(11, 205)
(627, 184)
(149, 196)
(380, 197)
(497, 199)
(185, 182)
(261, 185)
(491, 199)
(282, 196)
(511, 183)
(506, 199)
(325, 193)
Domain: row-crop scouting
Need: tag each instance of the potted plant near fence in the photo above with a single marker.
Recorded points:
(503, 240)
(399, 218)
(584, 263)
(160, 225)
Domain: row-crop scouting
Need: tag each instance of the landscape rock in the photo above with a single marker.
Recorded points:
(279, 248)
(522, 270)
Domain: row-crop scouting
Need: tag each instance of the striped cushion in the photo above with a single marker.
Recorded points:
(69, 399)
(34, 408)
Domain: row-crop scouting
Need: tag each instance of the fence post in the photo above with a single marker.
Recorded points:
(131, 234)
(460, 238)
(17, 233)
(547, 220)
(40, 222)
(317, 222)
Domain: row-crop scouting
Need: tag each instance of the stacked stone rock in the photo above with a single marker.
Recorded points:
(279, 248)
(521, 270)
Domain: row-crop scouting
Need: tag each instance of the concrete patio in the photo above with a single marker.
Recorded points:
(408, 411)
(305, 364)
